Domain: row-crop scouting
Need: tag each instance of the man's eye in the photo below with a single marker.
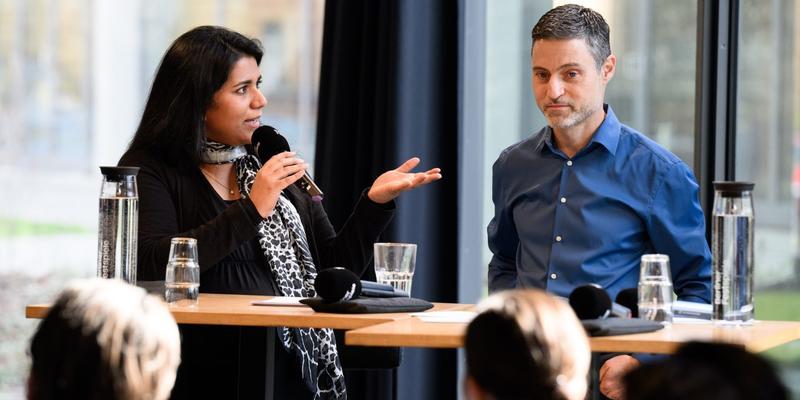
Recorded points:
(541, 76)
(572, 74)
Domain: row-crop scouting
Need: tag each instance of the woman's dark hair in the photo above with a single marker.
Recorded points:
(501, 362)
(526, 344)
(194, 67)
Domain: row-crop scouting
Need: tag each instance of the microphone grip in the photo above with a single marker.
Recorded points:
(310, 187)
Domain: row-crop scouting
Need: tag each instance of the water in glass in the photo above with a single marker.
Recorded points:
(651, 300)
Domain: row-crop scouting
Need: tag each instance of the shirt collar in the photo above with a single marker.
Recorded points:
(607, 135)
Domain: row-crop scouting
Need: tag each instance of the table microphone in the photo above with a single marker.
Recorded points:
(337, 284)
(629, 298)
(593, 302)
(267, 142)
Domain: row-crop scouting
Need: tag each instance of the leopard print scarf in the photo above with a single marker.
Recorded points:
(283, 240)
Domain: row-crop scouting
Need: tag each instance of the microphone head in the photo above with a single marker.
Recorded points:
(629, 298)
(267, 142)
(337, 284)
(590, 302)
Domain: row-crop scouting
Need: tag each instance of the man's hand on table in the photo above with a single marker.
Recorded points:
(611, 374)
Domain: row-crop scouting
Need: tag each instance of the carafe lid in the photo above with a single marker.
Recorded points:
(115, 174)
(733, 189)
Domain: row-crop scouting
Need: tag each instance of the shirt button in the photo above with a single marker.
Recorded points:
(569, 163)
(563, 200)
(553, 276)
(558, 238)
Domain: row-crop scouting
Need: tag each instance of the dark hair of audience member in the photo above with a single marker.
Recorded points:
(104, 339)
(526, 344)
(707, 371)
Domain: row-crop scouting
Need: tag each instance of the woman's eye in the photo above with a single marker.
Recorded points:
(242, 90)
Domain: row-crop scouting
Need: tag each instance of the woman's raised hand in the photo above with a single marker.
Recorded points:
(280, 171)
(391, 183)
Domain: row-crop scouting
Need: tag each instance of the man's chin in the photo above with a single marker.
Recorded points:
(559, 122)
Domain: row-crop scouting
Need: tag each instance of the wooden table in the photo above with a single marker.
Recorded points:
(412, 332)
(402, 330)
(237, 310)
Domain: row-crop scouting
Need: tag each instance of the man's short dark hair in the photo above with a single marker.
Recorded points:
(572, 21)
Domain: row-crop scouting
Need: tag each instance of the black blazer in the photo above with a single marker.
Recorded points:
(172, 200)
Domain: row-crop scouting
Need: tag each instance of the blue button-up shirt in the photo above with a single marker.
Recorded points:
(562, 222)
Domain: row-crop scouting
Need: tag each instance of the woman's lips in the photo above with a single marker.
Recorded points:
(253, 123)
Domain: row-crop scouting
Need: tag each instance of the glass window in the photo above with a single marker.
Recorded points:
(768, 140)
(74, 76)
(768, 153)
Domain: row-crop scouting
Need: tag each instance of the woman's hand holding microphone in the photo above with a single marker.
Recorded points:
(280, 171)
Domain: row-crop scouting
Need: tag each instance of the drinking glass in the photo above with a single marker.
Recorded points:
(394, 264)
(655, 288)
(182, 281)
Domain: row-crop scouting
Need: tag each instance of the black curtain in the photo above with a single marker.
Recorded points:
(389, 91)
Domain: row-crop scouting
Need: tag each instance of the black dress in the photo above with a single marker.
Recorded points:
(229, 362)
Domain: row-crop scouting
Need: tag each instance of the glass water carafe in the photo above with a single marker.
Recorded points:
(118, 223)
(732, 253)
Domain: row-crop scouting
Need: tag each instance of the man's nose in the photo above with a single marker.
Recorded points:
(555, 88)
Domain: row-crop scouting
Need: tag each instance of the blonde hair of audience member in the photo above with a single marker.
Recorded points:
(526, 344)
(104, 339)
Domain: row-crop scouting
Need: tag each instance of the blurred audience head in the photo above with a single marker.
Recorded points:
(707, 371)
(194, 67)
(526, 344)
(104, 339)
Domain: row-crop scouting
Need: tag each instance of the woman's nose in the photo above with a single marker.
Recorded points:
(260, 101)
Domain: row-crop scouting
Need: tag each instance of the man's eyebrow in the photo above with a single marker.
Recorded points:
(559, 68)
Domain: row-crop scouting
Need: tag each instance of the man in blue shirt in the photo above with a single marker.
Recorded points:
(584, 198)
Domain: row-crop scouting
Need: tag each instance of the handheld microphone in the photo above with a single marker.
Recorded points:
(267, 142)
(337, 284)
(593, 302)
(629, 298)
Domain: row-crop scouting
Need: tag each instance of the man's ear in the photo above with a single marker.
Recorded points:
(608, 68)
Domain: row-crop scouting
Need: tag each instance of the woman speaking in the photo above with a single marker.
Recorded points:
(256, 232)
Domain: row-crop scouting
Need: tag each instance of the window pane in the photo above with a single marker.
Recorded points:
(74, 76)
(768, 153)
(767, 142)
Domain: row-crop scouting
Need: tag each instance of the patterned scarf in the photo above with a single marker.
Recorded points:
(283, 240)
